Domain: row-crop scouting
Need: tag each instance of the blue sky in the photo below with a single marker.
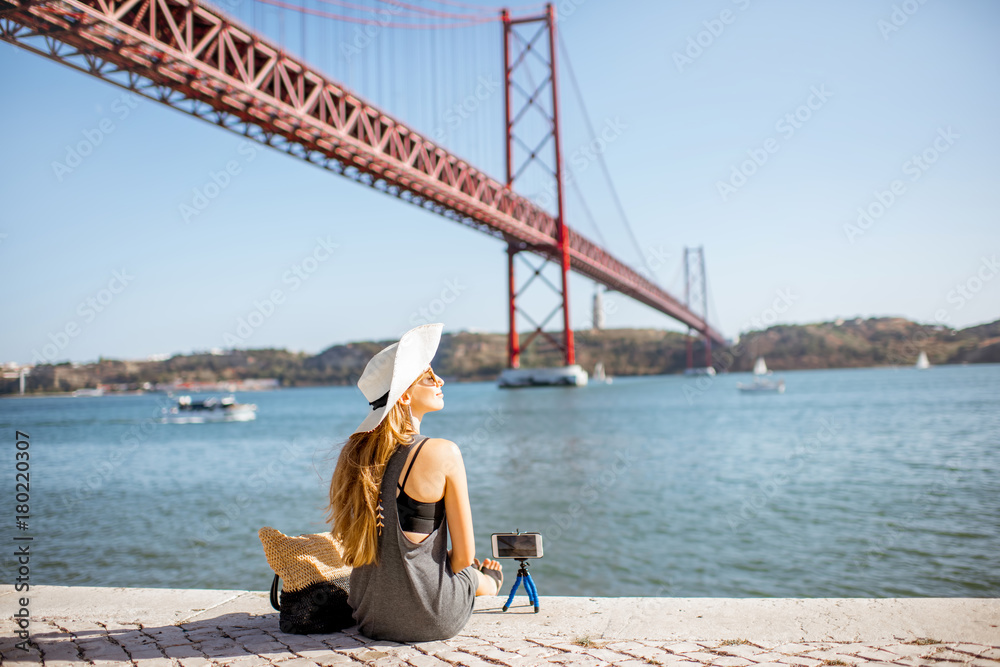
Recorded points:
(870, 95)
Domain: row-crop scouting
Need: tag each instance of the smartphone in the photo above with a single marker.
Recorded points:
(517, 545)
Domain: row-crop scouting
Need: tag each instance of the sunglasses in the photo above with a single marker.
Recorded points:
(429, 378)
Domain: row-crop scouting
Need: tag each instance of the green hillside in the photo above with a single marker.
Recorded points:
(466, 356)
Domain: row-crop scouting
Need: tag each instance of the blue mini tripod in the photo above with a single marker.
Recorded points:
(529, 585)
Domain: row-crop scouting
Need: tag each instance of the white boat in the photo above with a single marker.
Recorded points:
(99, 391)
(543, 377)
(759, 385)
(703, 370)
(209, 410)
(599, 374)
(760, 382)
(922, 362)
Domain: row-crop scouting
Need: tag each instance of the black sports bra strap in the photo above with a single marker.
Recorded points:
(416, 453)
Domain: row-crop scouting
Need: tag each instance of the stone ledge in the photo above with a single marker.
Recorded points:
(150, 627)
(767, 620)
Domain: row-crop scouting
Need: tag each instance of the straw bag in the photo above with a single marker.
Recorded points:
(316, 582)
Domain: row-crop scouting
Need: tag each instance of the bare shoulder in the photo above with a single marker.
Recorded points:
(443, 450)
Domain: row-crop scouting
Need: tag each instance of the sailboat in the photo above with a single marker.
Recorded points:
(599, 375)
(922, 362)
(760, 383)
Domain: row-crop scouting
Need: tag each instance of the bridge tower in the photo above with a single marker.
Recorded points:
(531, 129)
(696, 295)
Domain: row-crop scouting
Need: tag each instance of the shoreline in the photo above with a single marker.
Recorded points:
(69, 394)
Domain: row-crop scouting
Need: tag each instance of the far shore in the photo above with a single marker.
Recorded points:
(140, 392)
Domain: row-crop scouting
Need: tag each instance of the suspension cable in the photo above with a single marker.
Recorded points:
(431, 12)
(600, 157)
(406, 10)
(480, 8)
(383, 24)
(590, 216)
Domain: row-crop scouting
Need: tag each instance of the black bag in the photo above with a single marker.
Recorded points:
(318, 582)
(317, 609)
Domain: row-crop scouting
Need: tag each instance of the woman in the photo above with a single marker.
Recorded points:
(394, 498)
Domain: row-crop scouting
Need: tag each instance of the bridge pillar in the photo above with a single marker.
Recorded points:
(513, 348)
(521, 51)
(696, 294)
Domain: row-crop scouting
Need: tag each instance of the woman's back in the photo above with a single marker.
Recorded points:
(410, 594)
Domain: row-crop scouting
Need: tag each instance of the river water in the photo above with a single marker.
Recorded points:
(854, 483)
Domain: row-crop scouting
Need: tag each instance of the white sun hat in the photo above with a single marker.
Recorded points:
(394, 369)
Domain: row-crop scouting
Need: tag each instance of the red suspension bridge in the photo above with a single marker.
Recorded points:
(195, 58)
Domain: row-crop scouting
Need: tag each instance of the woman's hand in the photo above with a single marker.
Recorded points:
(489, 584)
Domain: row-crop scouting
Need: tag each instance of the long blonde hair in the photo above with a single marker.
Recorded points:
(354, 488)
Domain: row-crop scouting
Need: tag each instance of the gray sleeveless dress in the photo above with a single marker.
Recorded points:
(411, 594)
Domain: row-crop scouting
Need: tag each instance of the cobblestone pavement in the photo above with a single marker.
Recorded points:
(247, 640)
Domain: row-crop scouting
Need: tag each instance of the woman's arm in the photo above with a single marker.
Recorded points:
(457, 508)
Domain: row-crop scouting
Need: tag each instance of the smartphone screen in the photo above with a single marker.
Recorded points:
(517, 546)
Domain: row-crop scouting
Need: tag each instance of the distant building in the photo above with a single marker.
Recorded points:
(249, 384)
(598, 310)
(259, 384)
(13, 370)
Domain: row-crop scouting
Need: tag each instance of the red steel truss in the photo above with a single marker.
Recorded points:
(520, 49)
(197, 59)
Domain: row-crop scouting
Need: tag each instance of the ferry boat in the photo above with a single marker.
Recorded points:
(209, 410)
(573, 375)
